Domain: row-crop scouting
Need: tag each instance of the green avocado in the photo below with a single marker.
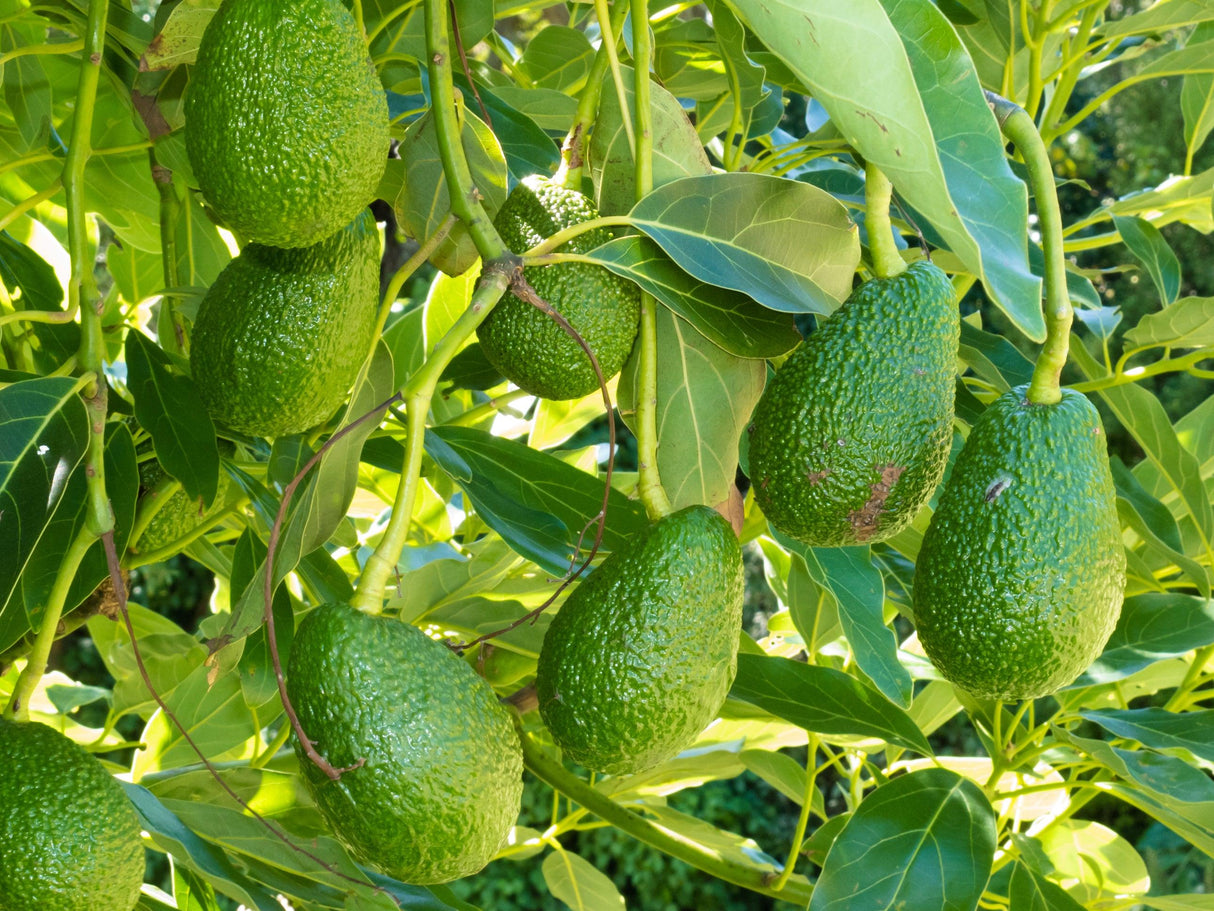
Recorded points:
(286, 120)
(179, 515)
(281, 334)
(69, 838)
(526, 345)
(442, 776)
(1021, 574)
(642, 654)
(851, 437)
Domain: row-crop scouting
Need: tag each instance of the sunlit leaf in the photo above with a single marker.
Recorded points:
(1149, 246)
(1192, 732)
(578, 884)
(1093, 860)
(1152, 627)
(1188, 323)
(921, 842)
(824, 700)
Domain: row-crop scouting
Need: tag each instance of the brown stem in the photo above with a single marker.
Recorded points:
(463, 60)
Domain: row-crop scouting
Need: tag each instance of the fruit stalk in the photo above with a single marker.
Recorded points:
(1017, 126)
(417, 393)
(646, 832)
(465, 198)
(35, 667)
(649, 480)
(169, 327)
(569, 174)
(878, 191)
(82, 291)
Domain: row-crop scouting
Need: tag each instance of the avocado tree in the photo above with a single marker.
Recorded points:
(617, 244)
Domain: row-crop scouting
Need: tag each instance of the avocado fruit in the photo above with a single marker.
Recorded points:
(179, 514)
(69, 838)
(286, 120)
(281, 334)
(641, 656)
(851, 437)
(441, 780)
(526, 345)
(1021, 574)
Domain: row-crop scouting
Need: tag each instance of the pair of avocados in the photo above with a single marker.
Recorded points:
(1021, 574)
(287, 134)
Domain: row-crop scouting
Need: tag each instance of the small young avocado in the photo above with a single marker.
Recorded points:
(527, 346)
(286, 120)
(851, 437)
(281, 334)
(641, 656)
(1021, 575)
(442, 776)
(69, 838)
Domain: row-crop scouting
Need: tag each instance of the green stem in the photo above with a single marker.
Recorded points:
(18, 706)
(418, 392)
(411, 265)
(465, 198)
(26, 204)
(1017, 125)
(878, 191)
(569, 174)
(649, 482)
(565, 235)
(602, 13)
(82, 291)
(798, 838)
(170, 328)
(640, 828)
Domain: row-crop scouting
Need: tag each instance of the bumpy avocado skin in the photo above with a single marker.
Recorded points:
(1021, 575)
(852, 435)
(69, 838)
(281, 334)
(641, 656)
(286, 120)
(527, 346)
(180, 515)
(442, 781)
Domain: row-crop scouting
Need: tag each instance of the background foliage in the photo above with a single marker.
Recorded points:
(1099, 797)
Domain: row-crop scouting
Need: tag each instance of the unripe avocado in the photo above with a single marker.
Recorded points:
(526, 345)
(180, 514)
(281, 334)
(442, 776)
(1021, 574)
(851, 437)
(642, 654)
(69, 838)
(286, 120)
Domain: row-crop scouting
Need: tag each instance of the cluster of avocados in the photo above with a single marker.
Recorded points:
(1021, 573)
(287, 135)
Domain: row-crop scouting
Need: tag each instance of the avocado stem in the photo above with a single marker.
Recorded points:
(35, 667)
(1018, 126)
(573, 157)
(878, 191)
(649, 480)
(643, 830)
(461, 188)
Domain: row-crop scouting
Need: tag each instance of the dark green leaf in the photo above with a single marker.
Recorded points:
(732, 230)
(921, 842)
(1167, 776)
(538, 503)
(169, 408)
(1148, 245)
(1188, 323)
(824, 700)
(30, 280)
(186, 847)
(859, 590)
(901, 88)
(558, 57)
(528, 149)
(1152, 627)
(45, 434)
(729, 319)
(994, 358)
(1159, 729)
